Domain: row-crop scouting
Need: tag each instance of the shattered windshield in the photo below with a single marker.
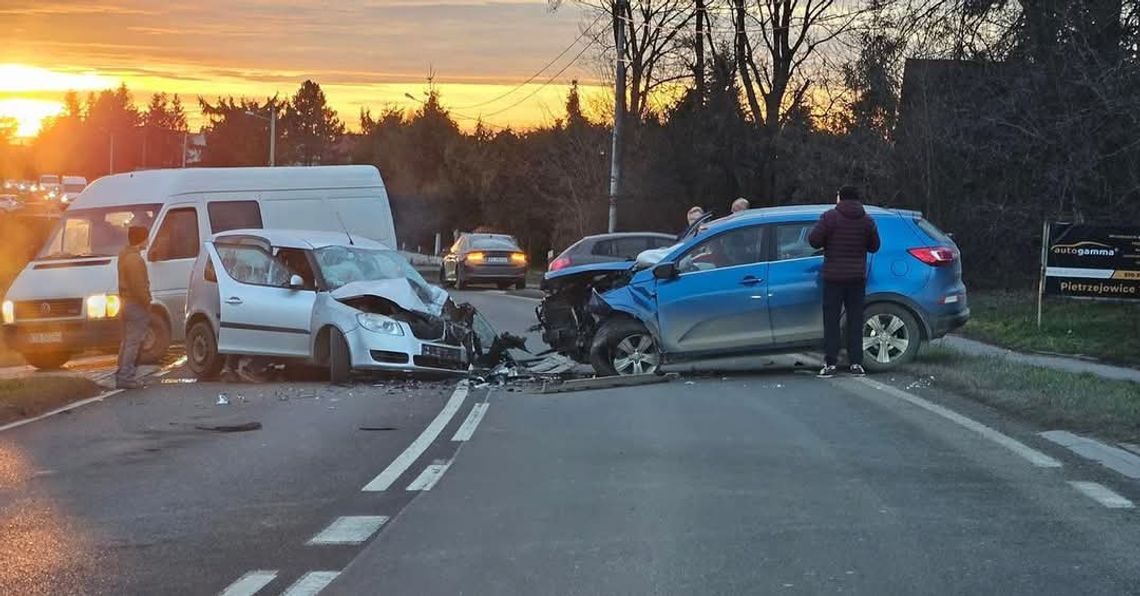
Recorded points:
(342, 265)
(96, 232)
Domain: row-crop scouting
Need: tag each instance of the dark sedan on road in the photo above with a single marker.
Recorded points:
(484, 258)
(606, 248)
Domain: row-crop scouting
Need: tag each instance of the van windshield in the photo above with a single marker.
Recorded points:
(96, 232)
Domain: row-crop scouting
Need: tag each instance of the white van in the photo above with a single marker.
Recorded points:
(72, 186)
(64, 301)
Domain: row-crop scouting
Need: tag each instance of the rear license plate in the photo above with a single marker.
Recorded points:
(55, 337)
(498, 260)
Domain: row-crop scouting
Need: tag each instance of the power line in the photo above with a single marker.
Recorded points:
(541, 70)
(544, 84)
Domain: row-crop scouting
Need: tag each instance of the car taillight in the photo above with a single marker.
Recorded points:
(559, 263)
(935, 256)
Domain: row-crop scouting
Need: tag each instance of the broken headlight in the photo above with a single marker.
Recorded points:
(379, 324)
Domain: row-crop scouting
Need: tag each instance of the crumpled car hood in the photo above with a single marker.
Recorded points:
(403, 292)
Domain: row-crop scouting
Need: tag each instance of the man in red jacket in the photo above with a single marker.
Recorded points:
(846, 234)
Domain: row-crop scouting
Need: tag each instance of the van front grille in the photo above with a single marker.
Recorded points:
(59, 308)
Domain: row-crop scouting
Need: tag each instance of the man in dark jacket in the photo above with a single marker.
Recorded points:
(846, 234)
(134, 292)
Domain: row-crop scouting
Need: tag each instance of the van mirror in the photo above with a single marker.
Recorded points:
(665, 271)
(296, 283)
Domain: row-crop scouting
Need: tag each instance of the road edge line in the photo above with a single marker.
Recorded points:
(1101, 494)
(1026, 452)
(69, 407)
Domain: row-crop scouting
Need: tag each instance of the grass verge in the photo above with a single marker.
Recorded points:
(1049, 398)
(1102, 330)
(32, 396)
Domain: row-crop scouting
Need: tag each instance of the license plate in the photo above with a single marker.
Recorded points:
(46, 338)
(498, 260)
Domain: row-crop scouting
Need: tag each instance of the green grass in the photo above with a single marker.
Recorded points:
(1049, 398)
(1102, 330)
(32, 396)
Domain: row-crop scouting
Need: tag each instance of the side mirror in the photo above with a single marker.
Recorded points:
(296, 283)
(665, 271)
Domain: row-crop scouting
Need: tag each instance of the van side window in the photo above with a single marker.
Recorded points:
(177, 238)
(234, 215)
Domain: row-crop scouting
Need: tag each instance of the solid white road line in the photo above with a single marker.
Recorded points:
(250, 583)
(1114, 458)
(1102, 494)
(431, 475)
(350, 529)
(1034, 456)
(311, 583)
(467, 429)
(68, 407)
(417, 448)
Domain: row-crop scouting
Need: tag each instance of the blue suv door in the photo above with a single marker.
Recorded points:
(716, 303)
(795, 292)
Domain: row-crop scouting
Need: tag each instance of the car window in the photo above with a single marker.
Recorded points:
(234, 215)
(494, 243)
(290, 262)
(177, 237)
(932, 230)
(792, 241)
(603, 248)
(655, 242)
(735, 247)
(246, 264)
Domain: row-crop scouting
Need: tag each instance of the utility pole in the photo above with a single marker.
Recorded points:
(111, 159)
(272, 134)
(185, 141)
(619, 112)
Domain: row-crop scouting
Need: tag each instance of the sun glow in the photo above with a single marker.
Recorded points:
(29, 114)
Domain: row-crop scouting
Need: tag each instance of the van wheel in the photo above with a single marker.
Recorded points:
(47, 360)
(202, 351)
(340, 359)
(891, 337)
(520, 284)
(624, 347)
(156, 342)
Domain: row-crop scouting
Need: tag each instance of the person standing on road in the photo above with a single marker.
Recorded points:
(134, 292)
(846, 234)
(741, 204)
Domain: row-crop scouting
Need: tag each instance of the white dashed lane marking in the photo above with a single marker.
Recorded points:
(1102, 494)
(250, 583)
(417, 448)
(429, 477)
(350, 529)
(467, 430)
(311, 583)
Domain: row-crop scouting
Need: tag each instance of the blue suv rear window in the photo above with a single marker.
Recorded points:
(933, 231)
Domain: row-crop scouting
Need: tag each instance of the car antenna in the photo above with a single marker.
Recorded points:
(345, 228)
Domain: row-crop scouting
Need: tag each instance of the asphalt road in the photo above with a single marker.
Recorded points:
(755, 481)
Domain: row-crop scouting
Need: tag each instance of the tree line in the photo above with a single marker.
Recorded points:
(988, 115)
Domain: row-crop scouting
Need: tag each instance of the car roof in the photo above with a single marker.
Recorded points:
(156, 186)
(785, 213)
(303, 239)
(615, 235)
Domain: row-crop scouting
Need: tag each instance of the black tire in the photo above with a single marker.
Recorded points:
(443, 282)
(460, 279)
(340, 359)
(520, 284)
(202, 351)
(156, 342)
(505, 285)
(51, 360)
(624, 336)
(891, 336)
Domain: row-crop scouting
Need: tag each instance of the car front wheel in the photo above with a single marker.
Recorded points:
(340, 359)
(624, 347)
(891, 337)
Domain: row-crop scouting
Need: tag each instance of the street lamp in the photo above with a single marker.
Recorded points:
(272, 120)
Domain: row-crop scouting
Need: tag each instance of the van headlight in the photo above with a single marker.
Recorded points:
(9, 312)
(103, 306)
(379, 324)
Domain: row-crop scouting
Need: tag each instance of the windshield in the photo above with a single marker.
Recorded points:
(96, 232)
(493, 243)
(341, 265)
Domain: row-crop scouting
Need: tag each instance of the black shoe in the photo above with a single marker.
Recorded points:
(857, 370)
(827, 372)
(129, 385)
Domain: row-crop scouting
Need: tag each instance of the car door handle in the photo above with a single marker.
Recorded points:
(750, 280)
(233, 300)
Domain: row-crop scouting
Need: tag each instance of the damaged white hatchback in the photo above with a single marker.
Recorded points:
(349, 304)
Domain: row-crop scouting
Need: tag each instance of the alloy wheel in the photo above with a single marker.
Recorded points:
(885, 338)
(636, 355)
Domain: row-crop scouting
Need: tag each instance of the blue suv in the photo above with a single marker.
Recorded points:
(750, 284)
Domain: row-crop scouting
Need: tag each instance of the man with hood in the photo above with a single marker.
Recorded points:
(846, 234)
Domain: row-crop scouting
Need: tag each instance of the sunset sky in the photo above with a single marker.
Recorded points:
(364, 53)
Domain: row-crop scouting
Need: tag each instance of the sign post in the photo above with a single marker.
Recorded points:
(1090, 262)
(1041, 277)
